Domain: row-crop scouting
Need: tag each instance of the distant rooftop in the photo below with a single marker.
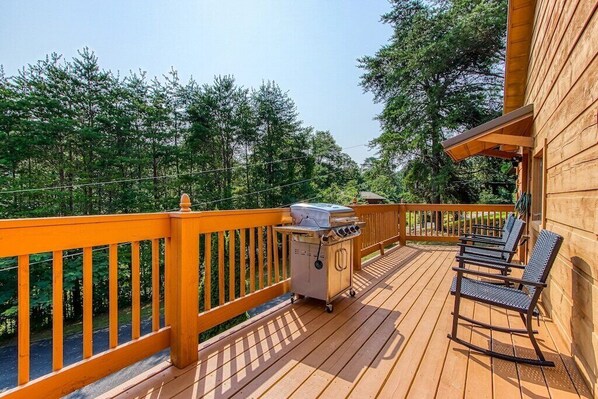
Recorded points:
(368, 195)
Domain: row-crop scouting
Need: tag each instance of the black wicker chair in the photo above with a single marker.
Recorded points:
(522, 300)
(503, 232)
(500, 254)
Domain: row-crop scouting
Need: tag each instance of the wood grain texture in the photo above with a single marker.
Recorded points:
(57, 311)
(113, 295)
(562, 84)
(87, 303)
(389, 341)
(135, 291)
(23, 333)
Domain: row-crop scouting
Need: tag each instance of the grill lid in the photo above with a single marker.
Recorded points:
(322, 215)
(321, 206)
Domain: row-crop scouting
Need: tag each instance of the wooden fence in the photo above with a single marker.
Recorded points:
(239, 247)
(399, 223)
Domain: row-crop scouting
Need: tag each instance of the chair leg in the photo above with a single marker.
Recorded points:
(499, 355)
(495, 328)
(528, 325)
(540, 361)
(456, 307)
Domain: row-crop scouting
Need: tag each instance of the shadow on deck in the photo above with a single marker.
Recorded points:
(388, 341)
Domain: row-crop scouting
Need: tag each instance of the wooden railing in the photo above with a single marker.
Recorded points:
(399, 223)
(23, 238)
(235, 257)
(237, 247)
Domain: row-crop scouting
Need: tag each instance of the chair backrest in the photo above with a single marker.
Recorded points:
(508, 227)
(513, 238)
(542, 257)
(509, 221)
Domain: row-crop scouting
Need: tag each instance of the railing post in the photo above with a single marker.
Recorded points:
(357, 244)
(402, 225)
(182, 287)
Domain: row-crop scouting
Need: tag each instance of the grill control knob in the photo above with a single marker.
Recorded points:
(341, 232)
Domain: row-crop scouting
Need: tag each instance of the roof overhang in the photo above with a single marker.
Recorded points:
(501, 137)
(520, 27)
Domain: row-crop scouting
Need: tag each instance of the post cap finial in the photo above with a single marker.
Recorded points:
(185, 203)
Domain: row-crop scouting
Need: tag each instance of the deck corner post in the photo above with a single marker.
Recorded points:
(357, 253)
(402, 225)
(182, 289)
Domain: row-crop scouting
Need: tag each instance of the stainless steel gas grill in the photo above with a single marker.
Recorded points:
(322, 250)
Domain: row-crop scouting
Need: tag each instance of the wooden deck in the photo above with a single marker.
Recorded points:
(389, 341)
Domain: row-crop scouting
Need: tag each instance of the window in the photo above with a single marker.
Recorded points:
(537, 186)
(538, 192)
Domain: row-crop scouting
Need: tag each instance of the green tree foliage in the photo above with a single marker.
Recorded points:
(380, 177)
(438, 75)
(80, 140)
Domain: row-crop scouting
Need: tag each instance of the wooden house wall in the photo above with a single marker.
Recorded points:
(562, 83)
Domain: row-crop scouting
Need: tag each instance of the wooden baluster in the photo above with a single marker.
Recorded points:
(23, 332)
(242, 257)
(113, 295)
(87, 303)
(441, 220)
(167, 278)
(402, 225)
(484, 218)
(221, 267)
(469, 221)
(269, 255)
(251, 259)
(455, 218)
(276, 258)
(57, 326)
(413, 221)
(260, 256)
(231, 265)
(155, 285)
(285, 255)
(207, 284)
(136, 291)
(379, 228)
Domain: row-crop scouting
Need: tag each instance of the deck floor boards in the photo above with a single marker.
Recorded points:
(389, 342)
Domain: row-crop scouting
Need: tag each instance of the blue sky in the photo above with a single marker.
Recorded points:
(308, 47)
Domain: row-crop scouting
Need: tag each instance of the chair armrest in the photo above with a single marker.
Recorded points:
(480, 237)
(461, 270)
(495, 267)
(487, 227)
(485, 262)
(492, 249)
(480, 241)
